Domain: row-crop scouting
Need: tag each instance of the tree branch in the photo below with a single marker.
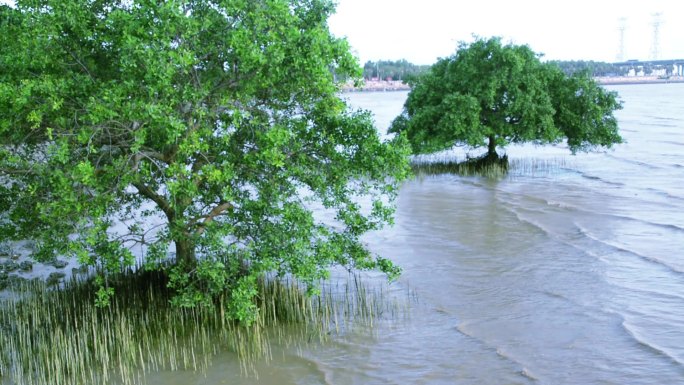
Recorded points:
(163, 204)
(216, 211)
(80, 63)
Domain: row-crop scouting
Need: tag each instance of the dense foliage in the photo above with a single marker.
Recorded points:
(208, 128)
(493, 94)
(395, 70)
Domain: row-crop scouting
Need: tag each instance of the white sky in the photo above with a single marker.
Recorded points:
(423, 30)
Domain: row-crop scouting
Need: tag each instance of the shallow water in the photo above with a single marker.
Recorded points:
(569, 275)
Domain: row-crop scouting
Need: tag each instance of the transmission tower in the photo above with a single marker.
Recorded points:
(622, 26)
(657, 21)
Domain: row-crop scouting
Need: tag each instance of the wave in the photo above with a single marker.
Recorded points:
(634, 162)
(672, 142)
(526, 373)
(579, 231)
(615, 247)
(510, 207)
(655, 124)
(628, 129)
(640, 290)
(471, 182)
(660, 117)
(530, 222)
(523, 371)
(626, 218)
(588, 251)
(667, 226)
(565, 206)
(593, 177)
(596, 178)
(664, 194)
(650, 345)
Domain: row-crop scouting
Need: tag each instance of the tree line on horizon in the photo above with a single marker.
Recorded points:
(392, 69)
(403, 69)
(594, 68)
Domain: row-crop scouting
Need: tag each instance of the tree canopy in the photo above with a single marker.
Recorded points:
(490, 94)
(205, 128)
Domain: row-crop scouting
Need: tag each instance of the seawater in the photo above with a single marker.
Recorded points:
(571, 273)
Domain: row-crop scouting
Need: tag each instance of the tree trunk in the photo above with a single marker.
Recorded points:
(185, 252)
(491, 151)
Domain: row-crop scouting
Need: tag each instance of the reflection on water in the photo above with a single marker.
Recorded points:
(574, 276)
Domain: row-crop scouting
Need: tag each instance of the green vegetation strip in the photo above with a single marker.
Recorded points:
(58, 336)
(436, 164)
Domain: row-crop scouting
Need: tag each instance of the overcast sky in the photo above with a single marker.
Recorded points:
(423, 30)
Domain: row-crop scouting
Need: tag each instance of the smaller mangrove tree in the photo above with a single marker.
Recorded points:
(491, 94)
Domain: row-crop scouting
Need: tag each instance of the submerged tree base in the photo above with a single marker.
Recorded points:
(490, 165)
(58, 336)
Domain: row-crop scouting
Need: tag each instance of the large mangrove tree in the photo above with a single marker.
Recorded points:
(196, 134)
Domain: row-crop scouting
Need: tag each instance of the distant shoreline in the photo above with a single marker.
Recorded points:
(626, 80)
(398, 85)
(378, 86)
